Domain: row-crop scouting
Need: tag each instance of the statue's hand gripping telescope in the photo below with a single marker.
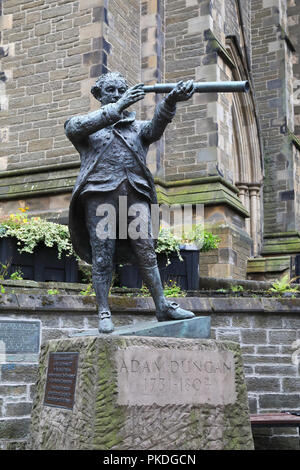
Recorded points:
(202, 87)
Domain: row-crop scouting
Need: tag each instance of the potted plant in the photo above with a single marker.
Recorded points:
(42, 250)
(178, 259)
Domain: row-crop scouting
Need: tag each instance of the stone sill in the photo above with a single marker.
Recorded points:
(23, 303)
(269, 264)
(205, 284)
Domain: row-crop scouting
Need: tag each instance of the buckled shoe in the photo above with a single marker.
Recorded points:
(105, 322)
(174, 312)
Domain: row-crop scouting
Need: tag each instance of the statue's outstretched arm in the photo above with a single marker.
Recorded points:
(154, 129)
(165, 111)
(79, 127)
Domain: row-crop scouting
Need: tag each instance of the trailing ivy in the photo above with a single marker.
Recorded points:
(30, 231)
(202, 238)
(167, 243)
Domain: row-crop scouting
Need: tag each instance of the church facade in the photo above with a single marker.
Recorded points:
(238, 154)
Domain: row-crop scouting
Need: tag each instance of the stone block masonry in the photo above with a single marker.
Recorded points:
(294, 32)
(199, 142)
(201, 43)
(153, 69)
(272, 57)
(43, 81)
(52, 52)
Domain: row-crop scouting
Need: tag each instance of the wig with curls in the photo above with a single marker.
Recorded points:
(106, 77)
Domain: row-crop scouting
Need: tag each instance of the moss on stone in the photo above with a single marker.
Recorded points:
(46, 300)
(208, 193)
(98, 422)
(123, 302)
(109, 417)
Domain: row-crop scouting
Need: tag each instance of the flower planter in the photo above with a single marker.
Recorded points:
(42, 265)
(184, 273)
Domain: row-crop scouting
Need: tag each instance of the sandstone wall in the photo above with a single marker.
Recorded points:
(266, 329)
(273, 55)
(52, 51)
(51, 54)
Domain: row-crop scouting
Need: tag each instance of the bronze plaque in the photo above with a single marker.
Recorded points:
(61, 379)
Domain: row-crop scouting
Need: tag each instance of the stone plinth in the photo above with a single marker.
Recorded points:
(143, 393)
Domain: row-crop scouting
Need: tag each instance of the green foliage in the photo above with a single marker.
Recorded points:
(16, 275)
(144, 292)
(173, 290)
(52, 291)
(283, 285)
(4, 270)
(210, 242)
(88, 291)
(237, 288)
(2, 289)
(170, 290)
(168, 243)
(86, 274)
(30, 231)
(204, 239)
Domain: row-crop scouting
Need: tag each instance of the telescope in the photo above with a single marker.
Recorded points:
(202, 87)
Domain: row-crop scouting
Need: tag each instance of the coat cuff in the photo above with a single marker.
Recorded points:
(167, 110)
(110, 113)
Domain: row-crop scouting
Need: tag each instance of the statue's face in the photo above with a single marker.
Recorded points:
(112, 90)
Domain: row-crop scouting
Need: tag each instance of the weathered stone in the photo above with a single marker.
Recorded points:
(14, 428)
(41, 144)
(279, 401)
(198, 327)
(29, 135)
(18, 373)
(263, 384)
(42, 28)
(18, 409)
(13, 390)
(61, 10)
(254, 337)
(119, 402)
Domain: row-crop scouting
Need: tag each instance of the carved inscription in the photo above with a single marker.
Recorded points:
(61, 379)
(20, 336)
(165, 377)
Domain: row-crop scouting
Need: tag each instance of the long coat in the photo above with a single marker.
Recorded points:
(92, 135)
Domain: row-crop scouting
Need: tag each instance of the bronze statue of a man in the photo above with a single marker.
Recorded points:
(113, 146)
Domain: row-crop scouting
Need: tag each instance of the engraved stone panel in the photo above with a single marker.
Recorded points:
(146, 376)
